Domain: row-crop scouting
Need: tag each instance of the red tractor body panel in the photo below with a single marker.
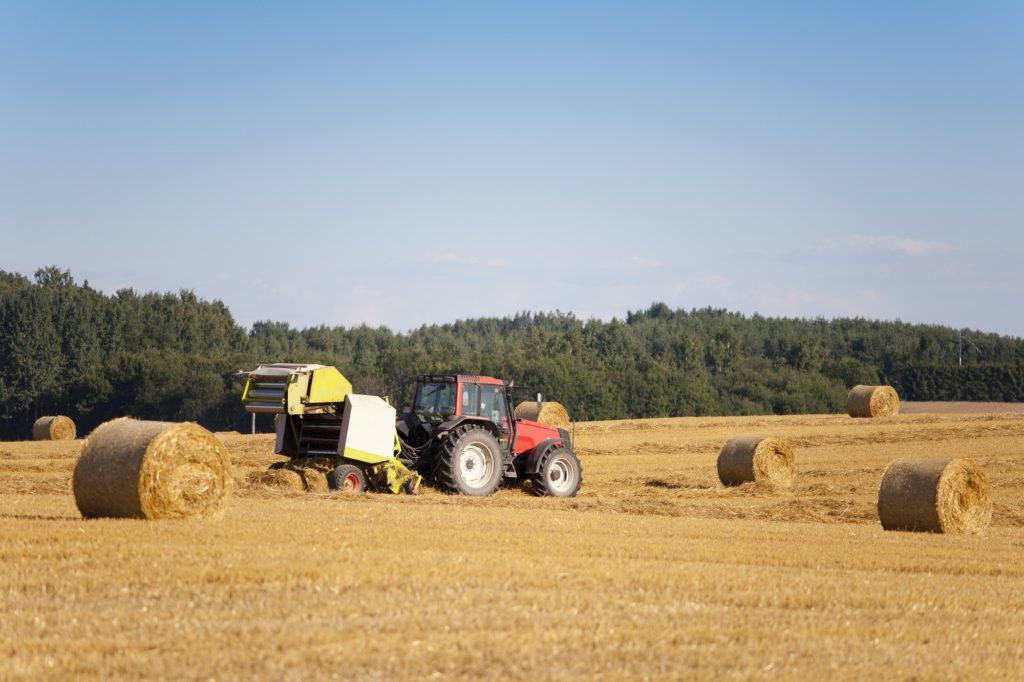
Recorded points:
(530, 434)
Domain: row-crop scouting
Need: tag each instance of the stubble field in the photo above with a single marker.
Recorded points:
(654, 571)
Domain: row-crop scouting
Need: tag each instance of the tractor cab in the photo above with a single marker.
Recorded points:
(440, 398)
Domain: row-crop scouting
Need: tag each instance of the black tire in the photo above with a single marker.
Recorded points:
(469, 462)
(276, 465)
(559, 474)
(347, 478)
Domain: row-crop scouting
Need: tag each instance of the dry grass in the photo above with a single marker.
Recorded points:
(959, 407)
(655, 571)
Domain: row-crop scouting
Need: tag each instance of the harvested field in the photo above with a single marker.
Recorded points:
(953, 407)
(655, 570)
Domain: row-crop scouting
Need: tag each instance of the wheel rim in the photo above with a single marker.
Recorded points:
(476, 465)
(561, 475)
(351, 484)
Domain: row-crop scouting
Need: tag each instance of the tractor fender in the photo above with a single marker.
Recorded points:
(444, 427)
(537, 454)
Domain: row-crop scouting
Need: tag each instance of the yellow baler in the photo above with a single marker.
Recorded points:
(318, 416)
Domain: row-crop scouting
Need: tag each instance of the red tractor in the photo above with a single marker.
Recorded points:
(461, 433)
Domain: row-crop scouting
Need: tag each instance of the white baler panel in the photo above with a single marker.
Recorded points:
(368, 427)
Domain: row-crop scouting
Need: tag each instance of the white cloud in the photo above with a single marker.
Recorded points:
(457, 259)
(864, 242)
(715, 282)
(364, 305)
(643, 262)
(771, 299)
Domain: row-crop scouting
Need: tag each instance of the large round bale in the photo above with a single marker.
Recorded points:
(152, 470)
(935, 495)
(872, 401)
(56, 427)
(548, 412)
(744, 459)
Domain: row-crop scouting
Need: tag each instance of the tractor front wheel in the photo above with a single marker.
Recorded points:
(469, 462)
(347, 478)
(559, 474)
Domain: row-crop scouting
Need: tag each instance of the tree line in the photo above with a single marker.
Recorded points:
(66, 348)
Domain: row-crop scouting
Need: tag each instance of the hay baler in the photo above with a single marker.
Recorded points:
(318, 417)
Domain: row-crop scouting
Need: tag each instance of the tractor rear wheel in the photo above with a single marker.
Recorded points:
(469, 462)
(347, 478)
(559, 474)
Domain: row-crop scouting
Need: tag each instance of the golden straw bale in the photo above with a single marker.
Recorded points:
(755, 458)
(934, 494)
(873, 401)
(54, 428)
(548, 412)
(284, 479)
(152, 470)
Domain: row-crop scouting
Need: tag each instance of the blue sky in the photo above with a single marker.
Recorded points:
(402, 163)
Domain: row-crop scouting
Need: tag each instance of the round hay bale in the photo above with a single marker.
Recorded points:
(56, 427)
(281, 478)
(935, 495)
(548, 412)
(152, 470)
(755, 458)
(872, 401)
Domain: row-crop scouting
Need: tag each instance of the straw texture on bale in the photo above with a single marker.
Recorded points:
(873, 401)
(744, 459)
(312, 472)
(56, 427)
(549, 412)
(152, 470)
(935, 495)
(281, 478)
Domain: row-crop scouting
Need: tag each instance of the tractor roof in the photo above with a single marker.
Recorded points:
(460, 378)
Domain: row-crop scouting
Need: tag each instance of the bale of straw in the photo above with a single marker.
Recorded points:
(548, 412)
(312, 472)
(755, 458)
(935, 495)
(56, 427)
(872, 401)
(281, 478)
(152, 470)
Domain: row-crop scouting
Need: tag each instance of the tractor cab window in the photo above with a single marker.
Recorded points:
(470, 399)
(435, 399)
(492, 405)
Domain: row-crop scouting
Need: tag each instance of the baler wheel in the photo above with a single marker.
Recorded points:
(347, 478)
